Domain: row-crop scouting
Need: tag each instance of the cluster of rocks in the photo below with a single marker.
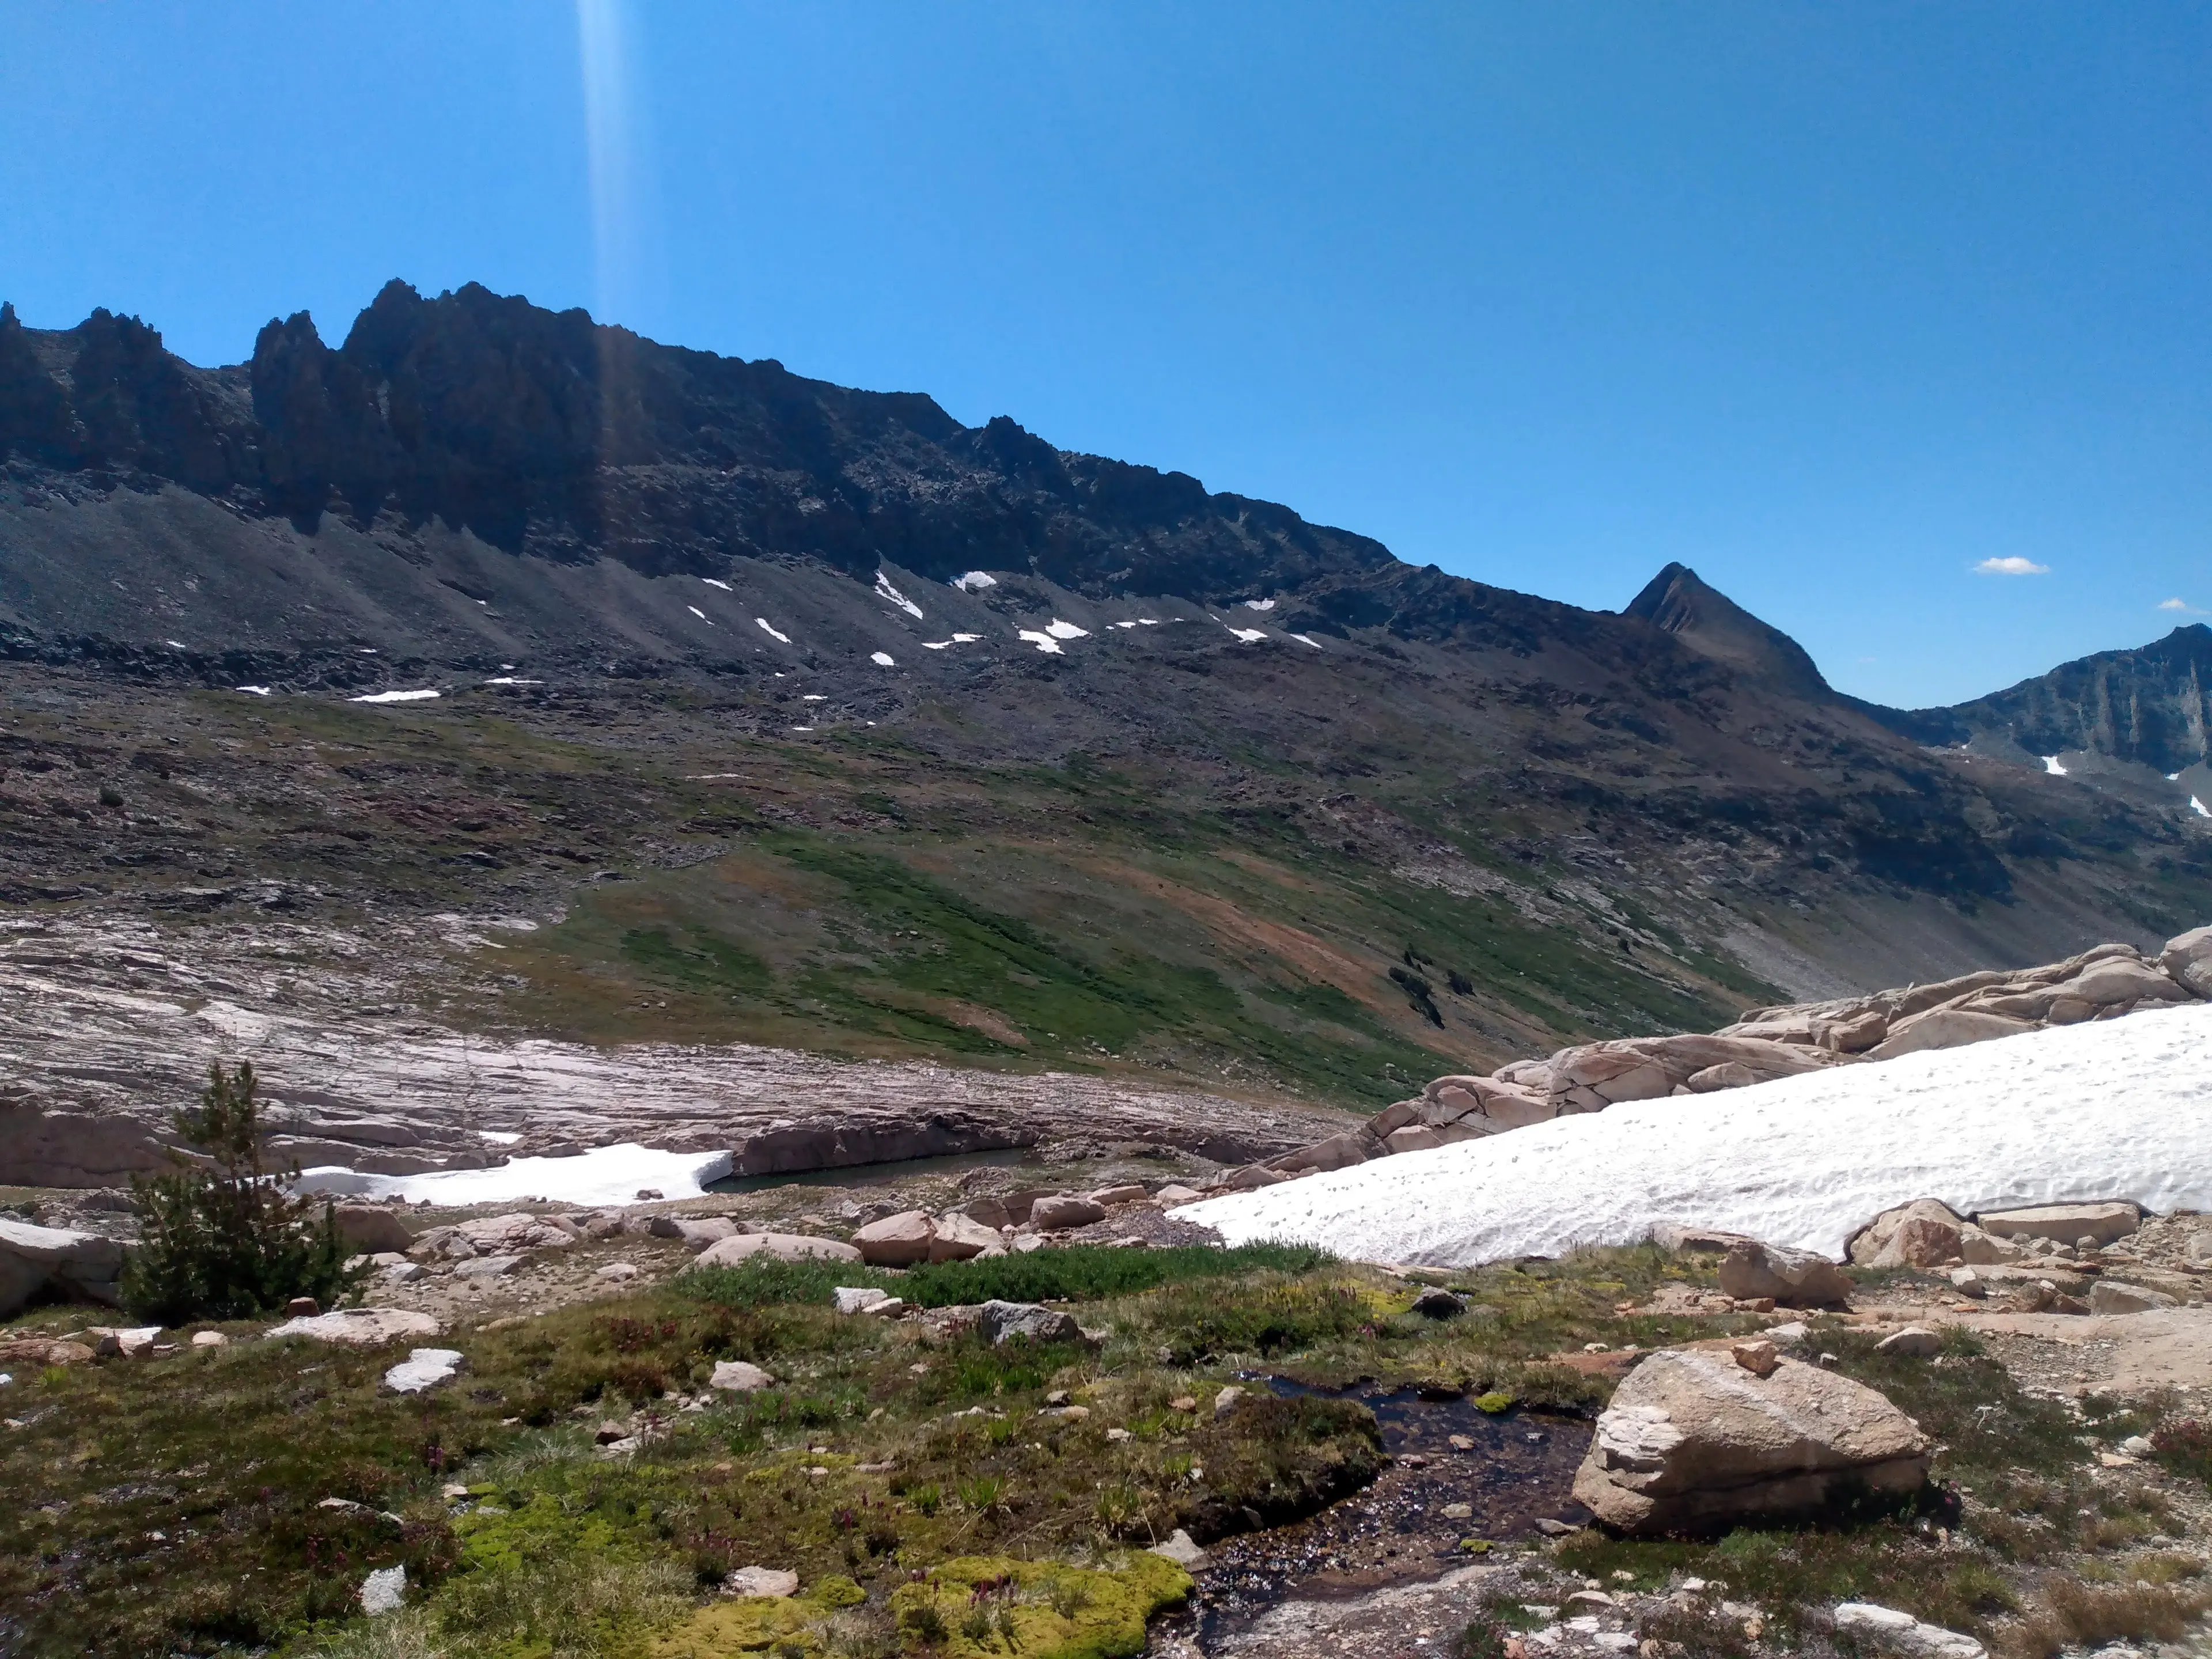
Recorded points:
(995, 1226)
(2102, 983)
(2060, 1258)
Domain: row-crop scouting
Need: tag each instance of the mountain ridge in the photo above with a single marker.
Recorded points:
(546, 532)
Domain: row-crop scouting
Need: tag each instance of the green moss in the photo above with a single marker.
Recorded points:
(991, 1606)
(786, 1627)
(1493, 1402)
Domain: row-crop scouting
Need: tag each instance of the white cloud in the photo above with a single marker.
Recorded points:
(2015, 566)
(2181, 605)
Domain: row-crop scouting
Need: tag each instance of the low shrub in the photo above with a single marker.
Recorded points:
(225, 1240)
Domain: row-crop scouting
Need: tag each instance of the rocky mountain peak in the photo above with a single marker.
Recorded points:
(1679, 602)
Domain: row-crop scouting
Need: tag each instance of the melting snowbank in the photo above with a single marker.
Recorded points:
(603, 1176)
(2117, 1109)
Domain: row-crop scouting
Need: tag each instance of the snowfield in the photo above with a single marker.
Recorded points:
(2119, 1108)
(604, 1175)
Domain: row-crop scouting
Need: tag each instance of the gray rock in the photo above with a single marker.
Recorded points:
(740, 1376)
(1437, 1303)
(1225, 1401)
(51, 1260)
(857, 1298)
(1794, 1278)
(384, 1591)
(1914, 1341)
(487, 1267)
(2188, 958)
(1693, 1441)
(359, 1327)
(1889, 1631)
(2114, 1295)
(698, 1234)
(371, 1228)
(1182, 1552)
(777, 1246)
(1003, 1320)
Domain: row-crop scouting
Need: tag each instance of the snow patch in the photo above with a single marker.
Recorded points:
(509, 679)
(2197, 807)
(1065, 630)
(1259, 605)
(771, 630)
(1247, 634)
(700, 614)
(424, 1369)
(1307, 639)
(812, 697)
(602, 1176)
(711, 582)
(884, 588)
(1044, 642)
(254, 690)
(882, 659)
(957, 639)
(396, 696)
(2110, 1109)
(2050, 765)
(975, 581)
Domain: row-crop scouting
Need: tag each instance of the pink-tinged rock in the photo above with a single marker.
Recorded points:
(1050, 1215)
(898, 1241)
(961, 1238)
(1413, 1138)
(1794, 1279)
(1338, 1152)
(1946, 1027)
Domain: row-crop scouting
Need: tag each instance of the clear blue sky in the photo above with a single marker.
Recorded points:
(1831, 302)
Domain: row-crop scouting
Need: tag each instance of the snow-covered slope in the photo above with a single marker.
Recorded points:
(2119, 1108)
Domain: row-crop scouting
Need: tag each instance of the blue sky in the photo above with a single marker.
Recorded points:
(1832, 303)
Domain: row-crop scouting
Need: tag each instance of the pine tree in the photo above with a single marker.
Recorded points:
(225, 1239)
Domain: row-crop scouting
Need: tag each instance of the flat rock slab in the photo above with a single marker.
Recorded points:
(365, 1327)
(424, 1369)
(1890, 1631)
(2066, 1222)
(2119, 1353)
(777, 1246)
(487, 1267)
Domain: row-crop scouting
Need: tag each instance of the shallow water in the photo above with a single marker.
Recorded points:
(1518, 1468)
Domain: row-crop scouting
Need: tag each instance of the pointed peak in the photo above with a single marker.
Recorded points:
(1679, 601)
